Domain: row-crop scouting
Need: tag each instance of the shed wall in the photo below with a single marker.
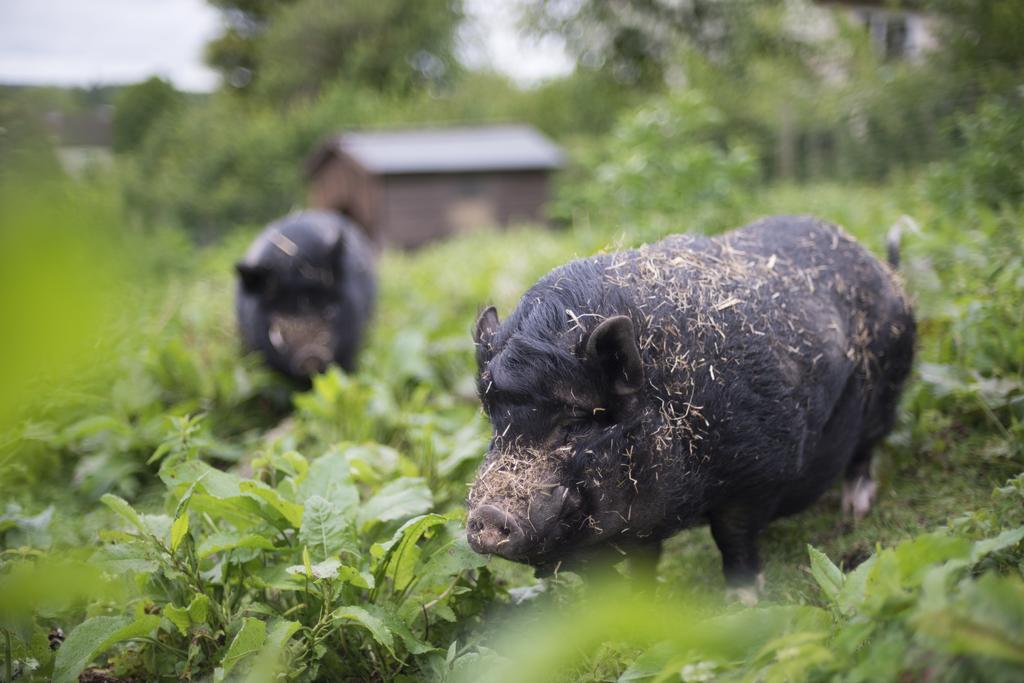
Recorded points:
(342, 185)
(410, 210)
(416, 209)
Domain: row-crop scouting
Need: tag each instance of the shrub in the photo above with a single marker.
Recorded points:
(988, 168)
(669, 159)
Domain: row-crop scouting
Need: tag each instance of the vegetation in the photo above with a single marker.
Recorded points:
(280, 51)
(138, 107)
(331, 540)
(172, 510)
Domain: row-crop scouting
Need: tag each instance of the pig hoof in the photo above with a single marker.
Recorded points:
(748, 595)
(858, 497)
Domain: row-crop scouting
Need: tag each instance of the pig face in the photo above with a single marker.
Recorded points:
(564, 414)
(301, 304)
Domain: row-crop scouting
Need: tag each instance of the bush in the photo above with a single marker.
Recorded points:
(667, 161)
(988, 167)
(224, 161)
(320, 570)
(328, 545)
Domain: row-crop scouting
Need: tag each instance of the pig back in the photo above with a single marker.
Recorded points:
(752, 342)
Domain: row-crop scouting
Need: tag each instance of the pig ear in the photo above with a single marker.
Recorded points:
(612, 345)
(486, 326)
(337, 251)
(254, 277)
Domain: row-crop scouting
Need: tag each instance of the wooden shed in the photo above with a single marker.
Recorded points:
(408, 187)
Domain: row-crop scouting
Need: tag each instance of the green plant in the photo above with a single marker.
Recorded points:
(986, 168)
(224, 476)
(669, 156)
(305, 565)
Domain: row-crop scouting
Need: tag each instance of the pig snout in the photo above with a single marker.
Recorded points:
(492, 530)
(312, 360)
(304, 341)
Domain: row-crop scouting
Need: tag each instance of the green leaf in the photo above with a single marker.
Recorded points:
(328, 569)
(213, 481)
(985, 619)
(278, 578)
(452, 558)
(97, 424)
(395, 624)
(329, 479)
(93, 637)
(401, 498)
(852, 636)
(851, 595)
(135, 556)
(355, 577)
(161, 450)
(371, 463)
(325, 530)
(247, 642)
(184, 617)
(297, 463)
(158, 526)
(791, 657)
(178, 531)
(268, 665)
(121, 507)
(290, 511)
(917, 555)
(750, 629)
(178, 616)
(828, 576)
(401, 553)
(1007, 539)
(372, 623)
(242, 512)
(226, 540)
(186, 498)
(199, 609)
(280, 632)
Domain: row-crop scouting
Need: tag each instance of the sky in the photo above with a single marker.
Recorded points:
(91, 42)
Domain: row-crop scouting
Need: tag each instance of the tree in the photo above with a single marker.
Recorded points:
(234, 52)
(290, 50)
(137, 107)
(640, 41)
(387, 45)
(982, 42)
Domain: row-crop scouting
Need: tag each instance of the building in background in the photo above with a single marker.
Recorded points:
(409, 187)
(83, 139)
(898, 30)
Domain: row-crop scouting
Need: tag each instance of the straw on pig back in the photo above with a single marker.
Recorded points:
(700, 305)
(759, 312)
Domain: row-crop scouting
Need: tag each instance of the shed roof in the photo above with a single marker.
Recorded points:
(449, 150)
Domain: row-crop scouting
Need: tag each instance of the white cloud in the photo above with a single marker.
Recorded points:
(491, 39)
(85, 42)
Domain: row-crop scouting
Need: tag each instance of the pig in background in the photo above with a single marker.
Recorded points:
(726, 380)
(306, 291)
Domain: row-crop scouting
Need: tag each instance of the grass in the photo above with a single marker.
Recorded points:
(917, 496)
(413, 402)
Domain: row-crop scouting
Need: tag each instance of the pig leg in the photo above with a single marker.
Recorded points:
(643, 562)
(859, 489)
(735, 532)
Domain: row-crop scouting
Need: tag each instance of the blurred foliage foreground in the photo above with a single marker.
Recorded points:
(172, 511)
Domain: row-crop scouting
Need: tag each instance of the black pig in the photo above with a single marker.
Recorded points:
(727, 380)
(306, 290)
